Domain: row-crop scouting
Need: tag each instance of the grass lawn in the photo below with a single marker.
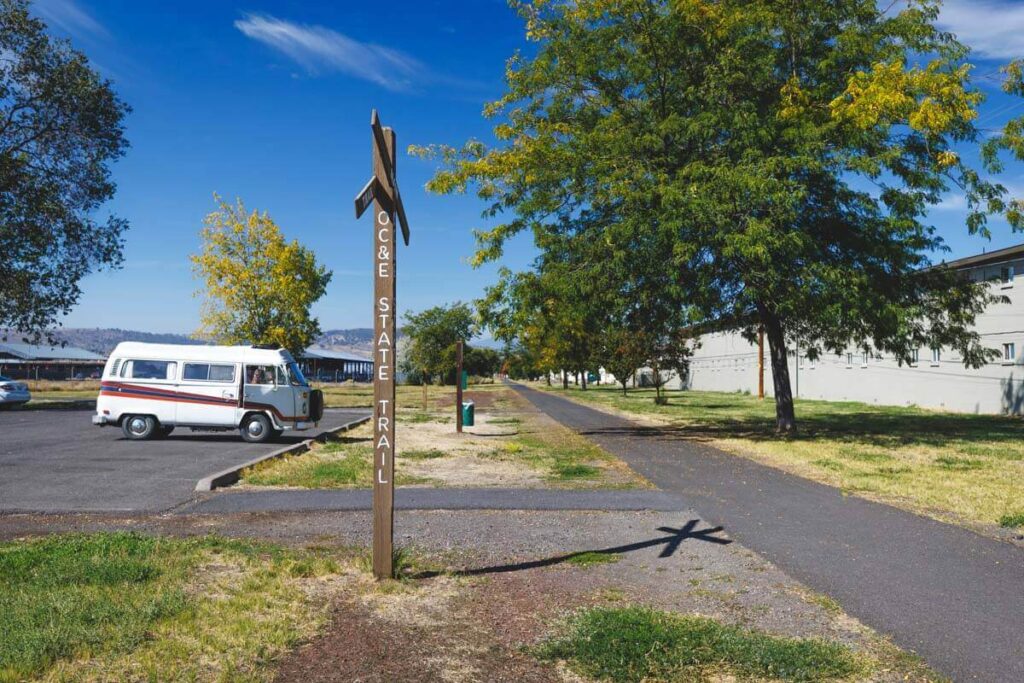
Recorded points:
(353, 395)
(119, 606)
(44, 390)
(958, 467)
(511, 445)
(124, 606)
(637, 644)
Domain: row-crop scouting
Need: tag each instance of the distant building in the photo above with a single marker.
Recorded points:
(325, 365)
(938, 379)
(32, 361)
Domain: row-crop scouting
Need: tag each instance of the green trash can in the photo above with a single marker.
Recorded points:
(468, 413)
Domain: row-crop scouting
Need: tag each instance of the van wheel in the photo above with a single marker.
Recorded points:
(257, 428)
(139, 427)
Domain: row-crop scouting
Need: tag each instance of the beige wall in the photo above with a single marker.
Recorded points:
(726, 362)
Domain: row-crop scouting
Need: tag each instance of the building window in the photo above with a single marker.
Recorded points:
(849, 360)
(915, 355)
(936, 356)
(1009, 353)
(1006, 276)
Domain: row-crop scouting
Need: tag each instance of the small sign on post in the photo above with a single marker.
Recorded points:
(382, 192)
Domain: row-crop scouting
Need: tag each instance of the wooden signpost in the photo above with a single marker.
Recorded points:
(458, 386)
(382, 192)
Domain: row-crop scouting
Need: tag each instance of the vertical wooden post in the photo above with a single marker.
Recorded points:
(458, 387)
(384, 379)
(760, 362)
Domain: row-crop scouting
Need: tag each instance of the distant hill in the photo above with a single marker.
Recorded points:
(358, 340)
(103, 340)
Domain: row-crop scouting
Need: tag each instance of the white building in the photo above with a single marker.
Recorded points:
(727, 362)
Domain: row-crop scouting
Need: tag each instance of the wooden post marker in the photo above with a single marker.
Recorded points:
(382, 192)
(458, 387)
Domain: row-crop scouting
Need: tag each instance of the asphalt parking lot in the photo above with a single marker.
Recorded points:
(57, 461)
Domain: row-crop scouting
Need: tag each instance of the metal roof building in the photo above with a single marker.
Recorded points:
(327, 365)
(36, 361)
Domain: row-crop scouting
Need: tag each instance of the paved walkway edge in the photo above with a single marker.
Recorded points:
(320, 500)
(952, 596)
(231, 475)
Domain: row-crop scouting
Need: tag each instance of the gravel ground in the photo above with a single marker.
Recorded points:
(704, 571)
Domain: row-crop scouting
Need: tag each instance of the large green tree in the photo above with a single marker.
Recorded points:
(433, 334)
(258, 288)
(61, 127)
(784, 154)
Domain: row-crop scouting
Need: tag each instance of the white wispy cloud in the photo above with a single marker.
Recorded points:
(319, 49)
(992, 28)
(70, 17)
(952, 202)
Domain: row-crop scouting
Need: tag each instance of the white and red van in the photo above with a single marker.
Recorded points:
(149, 389)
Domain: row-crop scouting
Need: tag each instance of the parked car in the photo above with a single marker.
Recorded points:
(13, 393)
(149, 389)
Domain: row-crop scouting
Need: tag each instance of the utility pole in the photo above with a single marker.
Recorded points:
(796, 345)
(760, 362)
(458, 386)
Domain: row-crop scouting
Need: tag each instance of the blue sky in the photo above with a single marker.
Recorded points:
(270, 102)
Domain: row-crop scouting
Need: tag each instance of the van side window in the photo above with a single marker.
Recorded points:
(194, 371)
(205, 372)
(222, 373)
(259, 374)
(153, 369)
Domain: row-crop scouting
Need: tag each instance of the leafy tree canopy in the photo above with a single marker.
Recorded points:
(257, 287)
(432, 336)
(61, 127)
(778, 158)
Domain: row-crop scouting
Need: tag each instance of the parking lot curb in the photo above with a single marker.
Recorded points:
(231, 475)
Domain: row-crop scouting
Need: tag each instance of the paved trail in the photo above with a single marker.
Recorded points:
(954, 597)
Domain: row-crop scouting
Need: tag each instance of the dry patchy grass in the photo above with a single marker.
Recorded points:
(511, 445)
(958, 467)
(107, 607)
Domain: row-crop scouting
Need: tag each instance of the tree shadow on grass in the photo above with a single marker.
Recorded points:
(847, 423)
(671, 542)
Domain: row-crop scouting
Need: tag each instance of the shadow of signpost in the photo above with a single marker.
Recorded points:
(671, 542)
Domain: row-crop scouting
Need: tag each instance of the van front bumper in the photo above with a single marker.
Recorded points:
(100, 420)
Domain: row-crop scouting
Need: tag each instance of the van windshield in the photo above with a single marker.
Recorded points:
(296, 376)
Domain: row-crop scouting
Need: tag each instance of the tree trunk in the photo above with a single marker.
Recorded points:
(583, 384)
(785, 416)
(565, 380)
(547, 376)
(624, 386)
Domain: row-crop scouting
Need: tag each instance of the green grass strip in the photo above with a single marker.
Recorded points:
(634, 644)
